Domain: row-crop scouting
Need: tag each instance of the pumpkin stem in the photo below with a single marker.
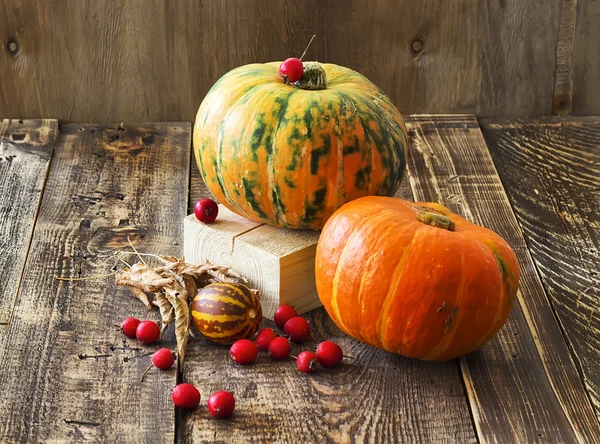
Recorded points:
(314, 77)
(436, 220)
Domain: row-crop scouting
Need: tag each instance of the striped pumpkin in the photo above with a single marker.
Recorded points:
(225, 313)
(414, 278)
(289, 157)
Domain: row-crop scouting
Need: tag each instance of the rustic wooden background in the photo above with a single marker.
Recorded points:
(154, 60)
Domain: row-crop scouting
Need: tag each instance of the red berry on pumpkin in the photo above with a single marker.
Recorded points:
(298, 329)
(283, 314)
(147, 332)
(279, 348)
(163, 359)
(265, 336)
(206, 210)
(306, 362)
(329, 354)
(291, 69)
(243, 351)
(186, 396)
(128, 327)
(221, 404)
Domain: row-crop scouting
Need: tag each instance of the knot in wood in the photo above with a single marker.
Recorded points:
(12, 46)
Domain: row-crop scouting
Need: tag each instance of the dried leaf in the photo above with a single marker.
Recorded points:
(177, 265)
(190, 286)
(167, 313)
(147, 279)
(219, 273)
(141, 295)
(122, 278)
(221, 276)
(182, 321)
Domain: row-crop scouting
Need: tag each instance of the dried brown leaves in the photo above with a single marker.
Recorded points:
(173, 285)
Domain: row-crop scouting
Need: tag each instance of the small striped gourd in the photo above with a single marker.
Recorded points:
(225, 313)
(414, 278)
(287, 156)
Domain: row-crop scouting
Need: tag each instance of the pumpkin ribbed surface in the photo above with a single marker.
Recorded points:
(414, 278)
(225, 313)
(290, 157)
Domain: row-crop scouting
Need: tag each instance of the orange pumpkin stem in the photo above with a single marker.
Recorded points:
(436, 220)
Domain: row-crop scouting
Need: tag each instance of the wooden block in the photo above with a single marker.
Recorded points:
(279, 262)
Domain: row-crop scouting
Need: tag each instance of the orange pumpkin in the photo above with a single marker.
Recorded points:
(414, 278)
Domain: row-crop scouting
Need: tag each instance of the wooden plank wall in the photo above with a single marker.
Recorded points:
(155, 60)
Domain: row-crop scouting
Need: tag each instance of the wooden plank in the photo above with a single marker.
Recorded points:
(25, 151)
(551, 172)
(428, 56)
(586, 59)
(66, 373)
(523, 386)
(563, 81)
(460, 56)
(375, 397)
(198, 188)
(279, 262)
(188, 43)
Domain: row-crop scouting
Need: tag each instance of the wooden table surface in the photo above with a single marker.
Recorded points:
(72, 195)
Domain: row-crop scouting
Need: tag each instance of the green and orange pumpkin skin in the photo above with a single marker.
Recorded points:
(224, 313)
(414, 278)
(290, 157)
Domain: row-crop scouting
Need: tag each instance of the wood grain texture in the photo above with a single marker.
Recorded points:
(198, 189)
(563, 80)
(523, 386)
(156, 59)
(586, 59)
(279, 262)
(66, 373)
(25, 152)
(377, 397)
(551, 172)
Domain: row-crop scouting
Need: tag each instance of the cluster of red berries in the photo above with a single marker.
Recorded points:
(146, 332)
(297, 330)
(220, 404)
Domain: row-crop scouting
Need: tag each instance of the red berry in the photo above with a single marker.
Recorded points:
(283, 314)
(243, 351)
(298, 329)
(306, 362)
(186, 396)
(265, 336)
(128, 327)
(329, 354)
(163, 359)
(221, 404)
(147, 332)
(206, 210)
(291, 69)
(279, 348)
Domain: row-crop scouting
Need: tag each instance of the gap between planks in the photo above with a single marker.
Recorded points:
(36, 137)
